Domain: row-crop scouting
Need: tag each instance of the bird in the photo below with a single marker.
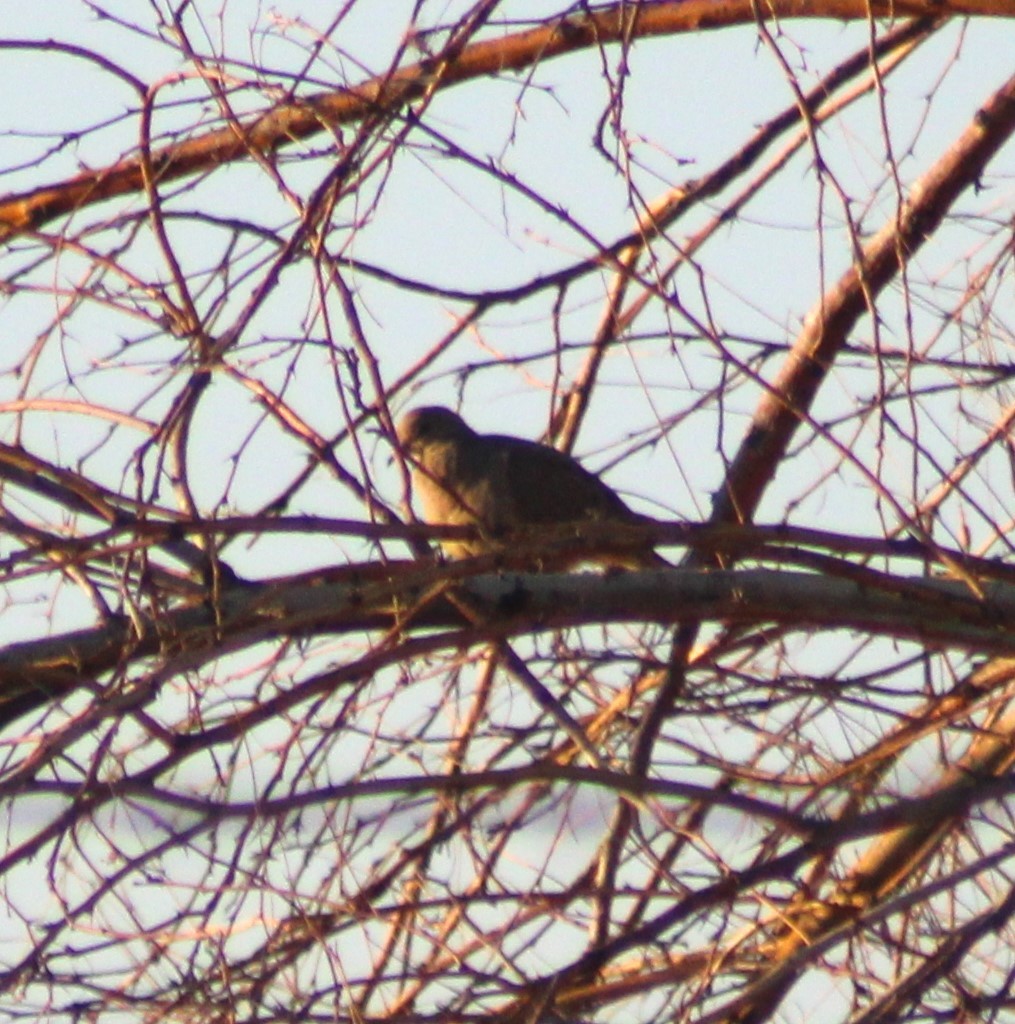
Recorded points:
(508, 487)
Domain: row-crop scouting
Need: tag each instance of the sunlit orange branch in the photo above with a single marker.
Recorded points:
(389, 92)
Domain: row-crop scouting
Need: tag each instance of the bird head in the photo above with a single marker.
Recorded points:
(429, 425)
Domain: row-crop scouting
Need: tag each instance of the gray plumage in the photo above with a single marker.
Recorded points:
(506, 485)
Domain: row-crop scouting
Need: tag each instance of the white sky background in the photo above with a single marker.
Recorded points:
(690, 99)
(690, 102)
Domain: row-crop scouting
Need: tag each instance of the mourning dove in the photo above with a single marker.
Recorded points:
(506, 485)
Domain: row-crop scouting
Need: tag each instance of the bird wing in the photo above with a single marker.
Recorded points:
(544, 485)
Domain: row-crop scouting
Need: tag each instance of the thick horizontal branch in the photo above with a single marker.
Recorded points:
(771, 544)
(407, 597)
(390, 92)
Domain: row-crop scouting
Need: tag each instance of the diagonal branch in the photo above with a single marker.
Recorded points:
(292, 122)
(828, 325)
